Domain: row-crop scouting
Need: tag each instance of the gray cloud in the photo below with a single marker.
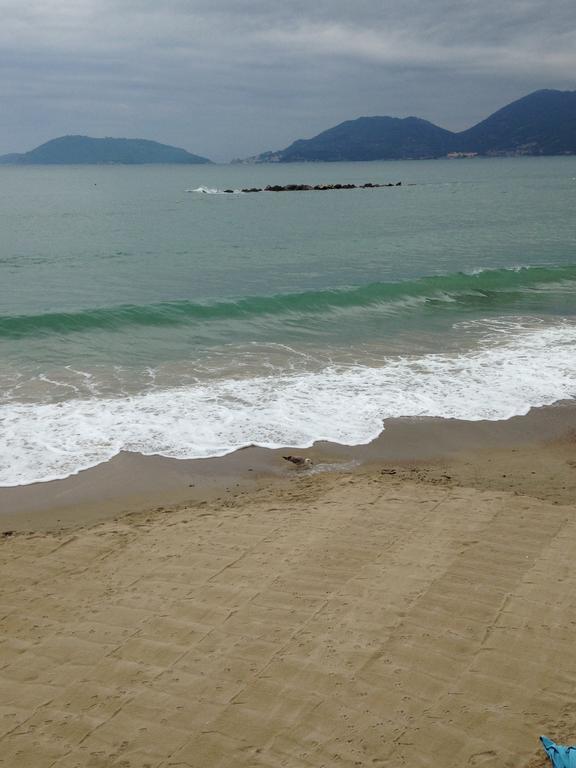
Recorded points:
(234, 77)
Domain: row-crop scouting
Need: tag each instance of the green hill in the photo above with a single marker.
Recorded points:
(372, 138)
(542, 123)
(83, 150)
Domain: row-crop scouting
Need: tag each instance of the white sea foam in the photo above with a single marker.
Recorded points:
(510, 268)
(344, 404)
(213, 191)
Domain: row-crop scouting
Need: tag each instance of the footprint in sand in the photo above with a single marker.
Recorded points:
(481, 758)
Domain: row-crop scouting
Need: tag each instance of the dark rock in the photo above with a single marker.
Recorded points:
(316, 187)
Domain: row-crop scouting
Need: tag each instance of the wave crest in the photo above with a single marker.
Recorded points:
(482, 286)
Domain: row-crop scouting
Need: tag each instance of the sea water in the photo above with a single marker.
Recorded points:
(144, 309)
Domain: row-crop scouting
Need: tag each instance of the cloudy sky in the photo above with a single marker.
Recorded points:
(230, 78)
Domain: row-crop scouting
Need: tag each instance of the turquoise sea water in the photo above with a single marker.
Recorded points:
(141, 309)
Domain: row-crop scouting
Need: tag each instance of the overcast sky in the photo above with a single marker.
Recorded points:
(231, 78)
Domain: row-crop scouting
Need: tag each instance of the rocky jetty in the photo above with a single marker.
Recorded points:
(313, 188)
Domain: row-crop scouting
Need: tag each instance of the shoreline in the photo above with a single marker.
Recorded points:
(409, 611)
(132, 482)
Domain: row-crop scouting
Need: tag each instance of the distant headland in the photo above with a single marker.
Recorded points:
(84, 150)
(542, 123)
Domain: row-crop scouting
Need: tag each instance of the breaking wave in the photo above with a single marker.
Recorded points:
(488, 287)
(348, 404)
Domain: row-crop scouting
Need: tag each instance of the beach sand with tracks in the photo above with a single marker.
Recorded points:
(410, 613)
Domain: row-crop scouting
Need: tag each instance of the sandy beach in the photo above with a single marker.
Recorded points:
(409, 612)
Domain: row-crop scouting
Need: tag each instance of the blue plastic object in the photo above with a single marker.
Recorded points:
(560, 757)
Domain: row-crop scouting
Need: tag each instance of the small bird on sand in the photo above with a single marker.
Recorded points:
(299, 461)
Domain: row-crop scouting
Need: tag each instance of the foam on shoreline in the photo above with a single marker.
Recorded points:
(340, 404)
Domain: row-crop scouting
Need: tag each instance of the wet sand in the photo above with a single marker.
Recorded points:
(132, 482)
(418, 610)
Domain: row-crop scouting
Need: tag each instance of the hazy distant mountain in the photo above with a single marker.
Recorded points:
(83, 150)
(372, 138)
(543, 123)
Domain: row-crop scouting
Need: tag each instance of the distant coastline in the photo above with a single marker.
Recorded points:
(85, 150)
(542, 123)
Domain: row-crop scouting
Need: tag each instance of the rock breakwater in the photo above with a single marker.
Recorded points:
(312, 188)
